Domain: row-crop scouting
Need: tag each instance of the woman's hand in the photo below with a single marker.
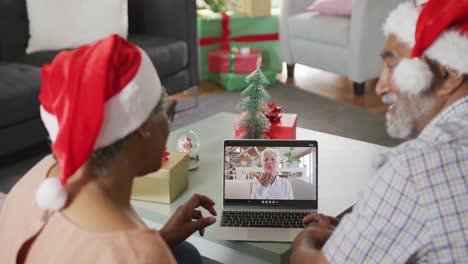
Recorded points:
(265, 178)
(186, 220)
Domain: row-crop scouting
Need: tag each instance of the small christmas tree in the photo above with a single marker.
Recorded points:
(255, 122)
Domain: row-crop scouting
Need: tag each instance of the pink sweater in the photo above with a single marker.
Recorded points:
(60, 241)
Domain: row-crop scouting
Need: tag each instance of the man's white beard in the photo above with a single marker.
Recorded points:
(402, 122)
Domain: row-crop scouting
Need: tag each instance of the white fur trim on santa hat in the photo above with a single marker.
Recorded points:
(402, 22)
(412, 76)
(51, 195)
(127, 110)
(124, 112)
(450, 50)
(420, 2)
(50, 122)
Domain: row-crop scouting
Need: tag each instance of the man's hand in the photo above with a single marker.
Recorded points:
(306, 247)
(319, 229)
(327, 222)
(186, 220)
(309, 242)
(264, 178)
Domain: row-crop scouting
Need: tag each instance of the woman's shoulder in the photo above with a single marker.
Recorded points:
(140, 245)
(35, 175)
(137, 245)
(283, 180)
(21, 196)
(149, 247)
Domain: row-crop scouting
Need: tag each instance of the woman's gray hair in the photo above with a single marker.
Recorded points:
(272, 151)
(101, 158)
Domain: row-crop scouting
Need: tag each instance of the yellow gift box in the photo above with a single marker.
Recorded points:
(257, 8)
(165, 185)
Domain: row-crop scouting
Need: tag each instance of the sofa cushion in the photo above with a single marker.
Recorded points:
(332, 7)
(331, 30)
(62, 24)
(13, 29)
(38, 58)
(19, 90)
(177, 82)
(238, 189)
(168, 56)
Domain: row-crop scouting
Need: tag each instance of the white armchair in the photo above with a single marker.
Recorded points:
(342, 45)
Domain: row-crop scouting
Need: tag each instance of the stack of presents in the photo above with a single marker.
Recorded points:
(233, 45)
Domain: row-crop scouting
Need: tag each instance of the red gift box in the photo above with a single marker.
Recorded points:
(284, 129)
(223, 60)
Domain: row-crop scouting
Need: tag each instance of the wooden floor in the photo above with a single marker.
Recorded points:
(315, 81)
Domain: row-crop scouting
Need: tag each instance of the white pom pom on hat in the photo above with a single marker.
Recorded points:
(51, 195)
(413, 76)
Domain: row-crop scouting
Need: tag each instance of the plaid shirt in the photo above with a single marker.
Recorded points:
(416, 209)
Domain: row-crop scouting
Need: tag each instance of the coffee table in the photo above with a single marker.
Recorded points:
(344, 168)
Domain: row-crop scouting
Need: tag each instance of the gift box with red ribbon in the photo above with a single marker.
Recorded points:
(242, 60)
(283, 128)
(166, 184)
(222, 31)
(236, 81)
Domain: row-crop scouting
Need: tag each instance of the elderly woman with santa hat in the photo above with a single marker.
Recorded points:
(102, 106)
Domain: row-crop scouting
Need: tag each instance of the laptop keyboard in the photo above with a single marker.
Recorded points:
(263, 219)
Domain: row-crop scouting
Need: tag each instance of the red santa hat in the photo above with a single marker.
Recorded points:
(90, 98)
(437, 29)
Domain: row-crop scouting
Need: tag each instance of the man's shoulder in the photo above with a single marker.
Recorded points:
(419, 157)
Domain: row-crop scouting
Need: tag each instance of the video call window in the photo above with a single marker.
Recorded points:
(277, 173)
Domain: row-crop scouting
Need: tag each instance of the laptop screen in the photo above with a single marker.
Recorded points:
(275, 173)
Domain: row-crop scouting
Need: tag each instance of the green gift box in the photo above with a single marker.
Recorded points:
(236, 81)
(222, 31)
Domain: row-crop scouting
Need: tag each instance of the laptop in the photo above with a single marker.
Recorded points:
(269, 186)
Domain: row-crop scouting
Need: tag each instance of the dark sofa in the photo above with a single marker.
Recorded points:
(165, 29)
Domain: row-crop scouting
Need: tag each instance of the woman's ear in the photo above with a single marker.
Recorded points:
(143, 131)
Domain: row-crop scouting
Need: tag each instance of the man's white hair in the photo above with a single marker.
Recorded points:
(272, 151)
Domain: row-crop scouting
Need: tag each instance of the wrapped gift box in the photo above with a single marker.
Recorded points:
(244, 60)
(256, 8)
(165, 185)
(240, 31)
(236, 81)
(284, 129)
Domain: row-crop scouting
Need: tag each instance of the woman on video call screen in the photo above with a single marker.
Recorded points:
(270, 173)
(267, 184)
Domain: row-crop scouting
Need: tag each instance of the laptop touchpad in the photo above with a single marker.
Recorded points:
(268, 234)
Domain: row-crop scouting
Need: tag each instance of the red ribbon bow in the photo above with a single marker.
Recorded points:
(226, 32)
(274, 114)
(166, 155)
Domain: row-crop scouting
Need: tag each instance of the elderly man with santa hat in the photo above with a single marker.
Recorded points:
(416, 208)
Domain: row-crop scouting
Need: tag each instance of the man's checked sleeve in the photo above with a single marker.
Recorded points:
(386, 225)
